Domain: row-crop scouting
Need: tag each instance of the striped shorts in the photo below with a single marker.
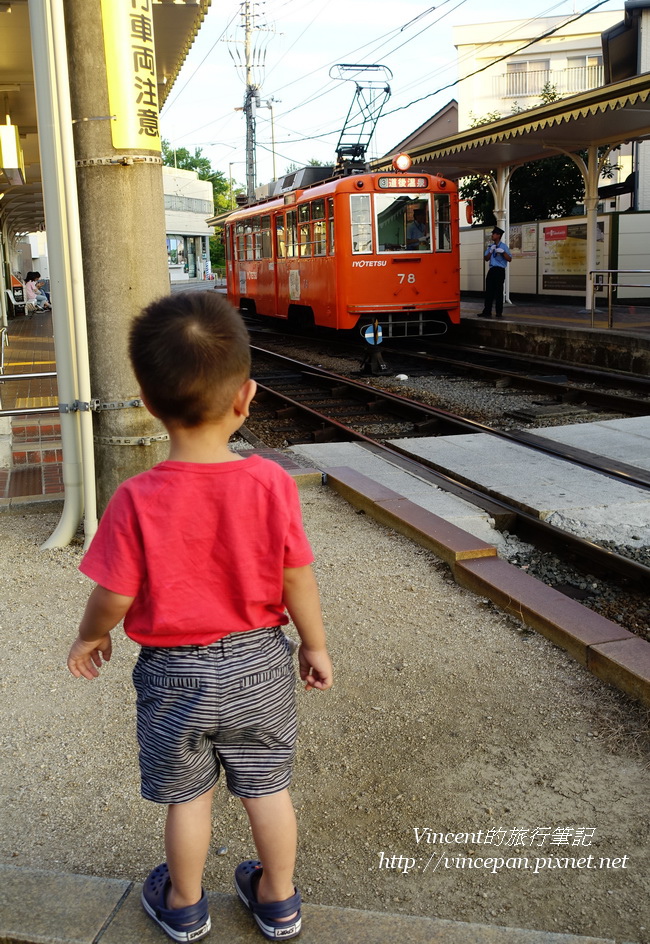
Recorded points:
(230, 704)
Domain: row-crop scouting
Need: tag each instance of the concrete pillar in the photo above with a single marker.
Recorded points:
(591, 206)
(501, 192)
(123, 243)
(643, 147)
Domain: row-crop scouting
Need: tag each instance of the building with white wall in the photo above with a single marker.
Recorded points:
(505, 68)
(498, 74)
(188, 204)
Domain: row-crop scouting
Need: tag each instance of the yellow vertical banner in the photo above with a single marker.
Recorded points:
(131, 73)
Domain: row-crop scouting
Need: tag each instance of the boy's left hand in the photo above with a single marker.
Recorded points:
(315, 668)
(86, 657)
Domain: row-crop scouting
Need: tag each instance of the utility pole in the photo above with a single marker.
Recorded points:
(251, 101)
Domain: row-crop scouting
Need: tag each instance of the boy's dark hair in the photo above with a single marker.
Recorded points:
(190, 353)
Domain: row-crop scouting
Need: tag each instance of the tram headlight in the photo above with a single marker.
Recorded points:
(402, 162)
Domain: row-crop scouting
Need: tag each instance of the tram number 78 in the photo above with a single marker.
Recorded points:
(406, 277)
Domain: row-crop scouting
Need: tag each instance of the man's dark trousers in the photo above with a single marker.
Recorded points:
(494, 280)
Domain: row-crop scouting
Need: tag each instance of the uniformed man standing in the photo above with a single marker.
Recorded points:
(498, 256)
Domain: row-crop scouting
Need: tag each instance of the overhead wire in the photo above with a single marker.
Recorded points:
(168, 104)
(383, 40)
(420, 79)
(469, 75)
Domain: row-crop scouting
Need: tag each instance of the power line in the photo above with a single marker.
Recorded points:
(168, 105)
(469, 76)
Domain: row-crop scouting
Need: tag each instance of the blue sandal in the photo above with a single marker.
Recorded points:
(247, 876)
(181, 924)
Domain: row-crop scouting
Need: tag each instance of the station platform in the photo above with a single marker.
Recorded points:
(42, 907)
(631, 319)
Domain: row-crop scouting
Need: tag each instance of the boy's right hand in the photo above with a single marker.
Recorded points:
(315, 668)
(85, 658)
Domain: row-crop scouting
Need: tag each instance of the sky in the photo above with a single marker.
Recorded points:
(294, 48)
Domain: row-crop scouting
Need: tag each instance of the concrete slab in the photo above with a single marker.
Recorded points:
(42, 907)
(569, 496)
(230, 922)
(627, 440)
(404, 484)
(447, 541)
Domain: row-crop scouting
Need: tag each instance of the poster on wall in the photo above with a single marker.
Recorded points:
(563, 256)
(522, 239)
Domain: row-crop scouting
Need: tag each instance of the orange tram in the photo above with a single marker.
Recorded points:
(351, 251)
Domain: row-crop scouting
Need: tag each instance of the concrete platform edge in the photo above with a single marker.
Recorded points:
(606, 649)
(46, 907)
(34, 505)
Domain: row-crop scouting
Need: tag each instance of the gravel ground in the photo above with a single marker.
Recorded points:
(445, 714)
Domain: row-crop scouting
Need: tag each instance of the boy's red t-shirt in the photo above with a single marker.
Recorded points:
(201, 547)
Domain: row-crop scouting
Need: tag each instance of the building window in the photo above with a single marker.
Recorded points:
(527, 77)
(176, 251)
(584, 72)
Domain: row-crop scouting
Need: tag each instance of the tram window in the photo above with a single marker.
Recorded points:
(319, 242)
(442, 206)
(265, 240)
(330, 223)
(305, 244)
(303, 213)
(249, 247)
(292, 234)
(318, 210)
(280, 248)
(361, 226)
(403, 223)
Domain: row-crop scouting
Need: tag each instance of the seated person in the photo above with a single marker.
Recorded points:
(417, 232)
(33, 293)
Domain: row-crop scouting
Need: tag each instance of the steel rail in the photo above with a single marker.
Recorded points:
(613, 401)
(617, 470)
(509, 517)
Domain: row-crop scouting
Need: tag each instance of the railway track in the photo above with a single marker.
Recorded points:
(327, 407)
(300, 403)
(562, 383)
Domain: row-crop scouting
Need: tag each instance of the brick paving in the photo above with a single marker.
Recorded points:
(36, 437)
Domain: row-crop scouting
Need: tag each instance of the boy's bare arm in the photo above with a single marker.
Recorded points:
(103, 612)
(302, 601)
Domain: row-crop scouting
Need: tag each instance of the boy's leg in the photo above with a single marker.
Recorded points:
(273, 823)
(187, 840)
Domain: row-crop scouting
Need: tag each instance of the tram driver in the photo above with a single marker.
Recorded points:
(417, 232)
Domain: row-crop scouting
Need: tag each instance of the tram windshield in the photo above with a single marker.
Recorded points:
(403, 223)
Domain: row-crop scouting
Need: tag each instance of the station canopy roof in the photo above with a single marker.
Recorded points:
(608, 115)
(176, 23)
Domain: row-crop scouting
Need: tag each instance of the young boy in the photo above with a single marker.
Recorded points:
(201, 555)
